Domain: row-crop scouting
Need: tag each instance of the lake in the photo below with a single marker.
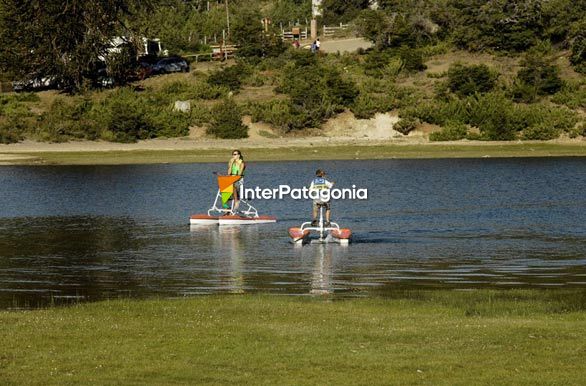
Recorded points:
(86, 233)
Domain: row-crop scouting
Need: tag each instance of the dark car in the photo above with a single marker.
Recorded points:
(169, 65)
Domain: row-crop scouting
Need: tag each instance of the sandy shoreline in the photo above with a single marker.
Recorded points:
(187, 149)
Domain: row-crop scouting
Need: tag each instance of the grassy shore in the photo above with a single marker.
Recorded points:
(443, 337)
(332, 152)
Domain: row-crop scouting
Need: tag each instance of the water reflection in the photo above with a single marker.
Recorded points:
(322, 280)
(90, 233)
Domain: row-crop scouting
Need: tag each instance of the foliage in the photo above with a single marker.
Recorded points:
(412, 59)
(276, 112)
(467, 80)
(406, 125)
(578, 55)
(285, 11)
(572, 96)
(316, 91)
(335, 11)
(375, 26)
(537, 76)
(367, 104)
(68, 118)
(42, 38)
(229, 77)
(121, 66)
(249, 35)
(500, 25)
(452, 131)
(226, 121)
(11, 131)
(496, 116)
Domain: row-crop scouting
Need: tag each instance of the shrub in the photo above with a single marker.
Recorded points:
(200, 115)
(578, 56)
(579, 130)
(536, 77)
(68, 119)
(128, 121)
(406, 125)
(375, 62)
(366, 105)
(11, 132)
(229, 77)
(453, 131)
(226, 121)
(276, 112)
(542, 131)
(412, 59)
(183, 90)
(572, 96)
(467, 80)
(317, 92)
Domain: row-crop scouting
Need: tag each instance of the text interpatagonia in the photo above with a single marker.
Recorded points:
(284, 191)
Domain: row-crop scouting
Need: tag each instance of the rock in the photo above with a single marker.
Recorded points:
(182, 106)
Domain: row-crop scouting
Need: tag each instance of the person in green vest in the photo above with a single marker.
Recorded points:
(236, 167)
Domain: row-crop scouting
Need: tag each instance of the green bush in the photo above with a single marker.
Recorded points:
(541, 132)
(579, 130)
(573, 96)
(496, 116)
(11, 131)
(366, 105)
(578, 55)
(453, 131)
(229, 77)
(276, 112)
(183, 90)
(226, 121)
(467, 80)
(375, 62)
(406, 125)
(412, 59)
(316, 92)
(200, 115)
(66, 119)
(537, 76)
(128, 121)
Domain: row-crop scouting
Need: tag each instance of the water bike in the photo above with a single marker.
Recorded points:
(326, 234)
(223, 214)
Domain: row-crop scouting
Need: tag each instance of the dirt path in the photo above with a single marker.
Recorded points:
(345, 45)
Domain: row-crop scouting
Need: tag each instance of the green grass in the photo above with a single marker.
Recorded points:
(477, 337)
(308, 153)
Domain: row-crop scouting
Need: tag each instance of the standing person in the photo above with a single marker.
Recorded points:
(236, 167)
(313, 47)
(319, 184)
(317, 45)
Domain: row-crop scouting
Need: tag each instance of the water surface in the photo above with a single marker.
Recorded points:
(93, 232)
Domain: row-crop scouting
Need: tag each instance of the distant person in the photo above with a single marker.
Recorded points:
(236, 167)
(317, 45)
(313, 47)
(319, 184)
(296, 43)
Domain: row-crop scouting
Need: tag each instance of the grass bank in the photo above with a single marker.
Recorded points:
(330, 152)
(477, 337)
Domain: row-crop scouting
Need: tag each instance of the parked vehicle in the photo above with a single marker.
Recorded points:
(169, 65)
(36, 84)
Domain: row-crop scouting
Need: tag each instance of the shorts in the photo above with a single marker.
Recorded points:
(318, 204)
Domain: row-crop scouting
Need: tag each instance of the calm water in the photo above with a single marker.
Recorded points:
(89, 233)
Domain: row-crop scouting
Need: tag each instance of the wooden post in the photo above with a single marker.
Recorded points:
(313, 29)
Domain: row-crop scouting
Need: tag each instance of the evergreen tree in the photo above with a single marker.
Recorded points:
(61, 39)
